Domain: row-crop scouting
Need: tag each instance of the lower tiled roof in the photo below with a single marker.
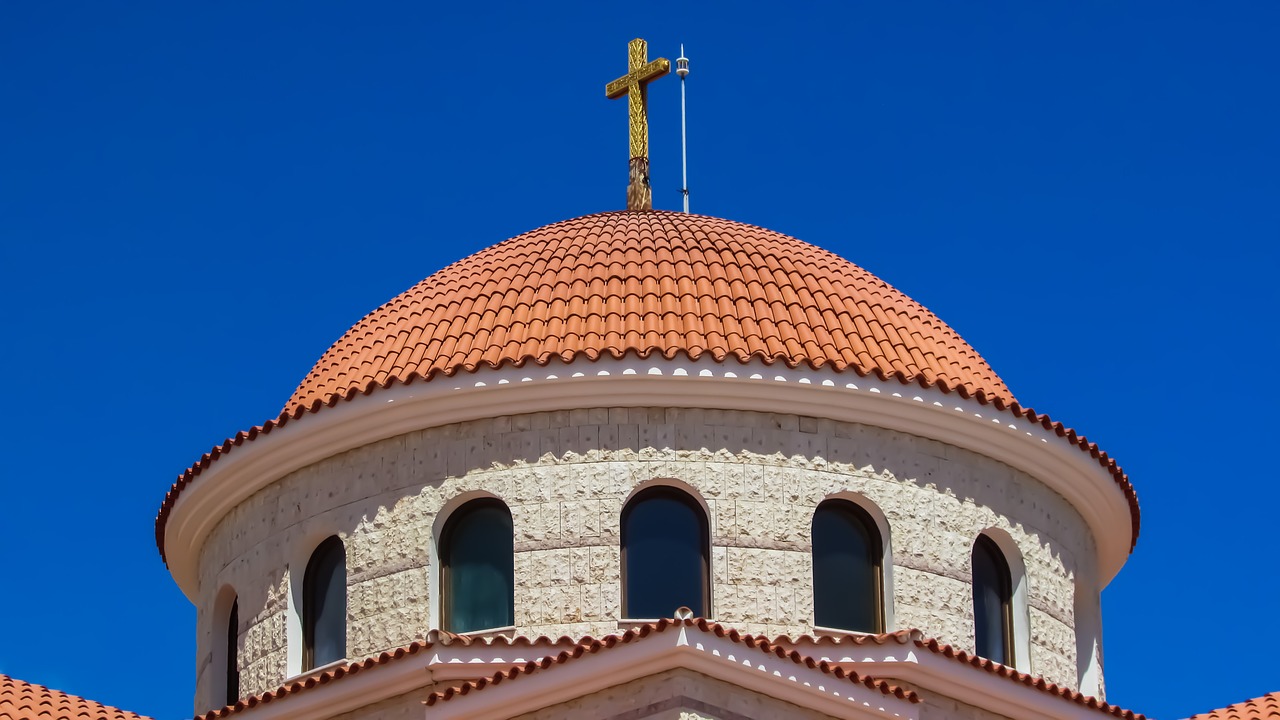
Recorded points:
(591, 646)
(917, 638)
(563, 649)
(1266, 707)
(27, 701)
(1032, 681)
(435, 637)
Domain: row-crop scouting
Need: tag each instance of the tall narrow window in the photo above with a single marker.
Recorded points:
(233, 668)
(992, 602)
(847, 556)
(477, 573)
(664, 555)
(324, 605)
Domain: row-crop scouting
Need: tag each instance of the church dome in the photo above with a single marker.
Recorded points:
(474, 423)
(638, 283)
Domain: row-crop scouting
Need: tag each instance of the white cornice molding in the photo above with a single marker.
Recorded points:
(652, 382)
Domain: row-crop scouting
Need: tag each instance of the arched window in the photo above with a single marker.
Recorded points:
(992, 603)
(324, 605)
(233, 668)
(664, 555)
(477, 573)
(847, 554)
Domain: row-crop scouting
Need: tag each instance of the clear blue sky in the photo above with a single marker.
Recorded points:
(196, 199)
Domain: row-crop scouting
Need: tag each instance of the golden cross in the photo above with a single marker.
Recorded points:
(640, 72)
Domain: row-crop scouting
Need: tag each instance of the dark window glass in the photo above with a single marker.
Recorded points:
(233, 670)
(324, 605)
(664, 555)
(992, 602)
(477, 568)
(846, 568)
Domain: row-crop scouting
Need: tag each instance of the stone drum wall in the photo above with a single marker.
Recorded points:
(566, 475)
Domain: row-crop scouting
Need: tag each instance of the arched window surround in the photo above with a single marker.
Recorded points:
(222, 658)
(691, 495)
(1021, 640)
(680, 485)
(440, 580)
(324, 577)
(866, 514)
(886, 548)
(304, 548)
(446, 511)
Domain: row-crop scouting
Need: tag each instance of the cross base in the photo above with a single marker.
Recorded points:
(639, 194)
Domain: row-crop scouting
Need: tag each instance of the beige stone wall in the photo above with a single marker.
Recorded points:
(675, 695)
(566, 475)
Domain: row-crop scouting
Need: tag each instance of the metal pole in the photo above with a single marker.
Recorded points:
(682, 69)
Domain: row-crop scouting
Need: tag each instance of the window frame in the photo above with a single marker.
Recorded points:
(333, 543)
(876, 553)
(444, 553)
(1005, 591)
(704, 543)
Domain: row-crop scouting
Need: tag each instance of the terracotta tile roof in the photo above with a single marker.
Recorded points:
(563, 649)
(642, 283)
(649, 282)
(627, 282)
(1032, 681)
(1266, 707)
(559, 651)
(591, 646)
(26, 701)
(434, 638)
(918, 639)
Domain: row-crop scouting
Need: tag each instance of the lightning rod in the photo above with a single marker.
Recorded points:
(682, 69)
